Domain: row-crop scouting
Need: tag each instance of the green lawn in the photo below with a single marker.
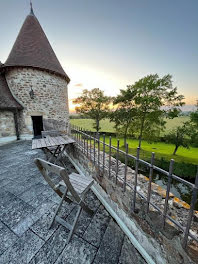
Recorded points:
(161, 149)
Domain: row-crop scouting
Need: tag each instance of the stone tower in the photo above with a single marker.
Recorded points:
(36, 81)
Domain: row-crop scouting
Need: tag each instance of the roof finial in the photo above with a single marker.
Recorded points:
(31, 8)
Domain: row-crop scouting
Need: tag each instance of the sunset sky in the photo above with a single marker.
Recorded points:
(112, 43)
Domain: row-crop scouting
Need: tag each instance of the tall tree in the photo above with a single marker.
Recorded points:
(93, 104)
(154, 98)
(124, 114)
(180, 136)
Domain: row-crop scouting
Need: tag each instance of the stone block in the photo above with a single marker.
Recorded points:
(23, 250)
(77, 251)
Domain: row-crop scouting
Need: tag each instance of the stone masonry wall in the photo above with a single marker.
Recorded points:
(50, 95)
(7, 127)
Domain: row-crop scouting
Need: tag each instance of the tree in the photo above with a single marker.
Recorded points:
(180, 136)
(93, 104)
(194, 117)
(124, 114)
(155, 98)
(194, 121)
(154, 125)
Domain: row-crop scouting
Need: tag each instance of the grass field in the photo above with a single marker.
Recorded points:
(107, 126)
(161, 149)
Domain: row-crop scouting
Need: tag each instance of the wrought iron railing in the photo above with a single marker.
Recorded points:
(96, 150)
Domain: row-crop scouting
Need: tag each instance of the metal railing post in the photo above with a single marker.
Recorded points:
(98, 134)
(70, 131)
(150, 181)
(136, 175)
(95, 149)
(84, 142)
(82, 137)
(192, 207)
(117, 158)
(168, 191)
(77, 134)
(109, 156)
(87, 139)
(103, 162)
(90, 144)
(125, 167)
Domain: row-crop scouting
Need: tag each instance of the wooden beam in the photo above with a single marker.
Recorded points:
(16, 124)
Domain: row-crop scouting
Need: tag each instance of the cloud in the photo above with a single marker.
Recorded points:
(78, 85)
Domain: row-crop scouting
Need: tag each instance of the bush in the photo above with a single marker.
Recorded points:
(186, 171)
(75, 116)
(181, 169)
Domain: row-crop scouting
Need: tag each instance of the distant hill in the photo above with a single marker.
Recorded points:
(188, 108)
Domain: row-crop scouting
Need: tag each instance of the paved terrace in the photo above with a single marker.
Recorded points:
(26, 206)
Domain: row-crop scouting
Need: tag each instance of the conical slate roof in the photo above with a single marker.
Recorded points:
(32, 49)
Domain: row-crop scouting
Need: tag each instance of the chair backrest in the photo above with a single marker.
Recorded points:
(46, 167)
(52, 133)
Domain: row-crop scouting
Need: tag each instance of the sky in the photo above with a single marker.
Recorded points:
(109, 44)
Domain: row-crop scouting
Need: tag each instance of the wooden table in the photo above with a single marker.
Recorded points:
(59, 143)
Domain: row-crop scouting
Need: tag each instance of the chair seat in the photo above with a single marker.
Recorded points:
(79, 183)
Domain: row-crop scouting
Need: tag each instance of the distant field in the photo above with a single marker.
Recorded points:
(161, 149)
(107, 126)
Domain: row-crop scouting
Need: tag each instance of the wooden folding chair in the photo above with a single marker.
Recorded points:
(72, 188)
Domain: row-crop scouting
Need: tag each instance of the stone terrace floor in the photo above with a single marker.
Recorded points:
(26, 206)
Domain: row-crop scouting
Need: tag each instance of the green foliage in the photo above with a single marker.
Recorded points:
(185, 170)
(194, 117)
(180, 136)
(194, 139)
(194, 122)
(182, 169)
(154, 125)
(153, 98)
(93, 104)
(150, 94)
(124, 114)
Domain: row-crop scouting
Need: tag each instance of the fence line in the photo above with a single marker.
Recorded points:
(85, 139)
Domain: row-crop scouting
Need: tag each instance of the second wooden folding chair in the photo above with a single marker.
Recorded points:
(71, 188)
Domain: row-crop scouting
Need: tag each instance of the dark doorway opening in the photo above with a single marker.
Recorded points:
(37, 122)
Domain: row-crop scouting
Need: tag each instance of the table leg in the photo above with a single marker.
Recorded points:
(60, 154)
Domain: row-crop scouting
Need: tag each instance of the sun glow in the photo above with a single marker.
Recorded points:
(84, 77)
